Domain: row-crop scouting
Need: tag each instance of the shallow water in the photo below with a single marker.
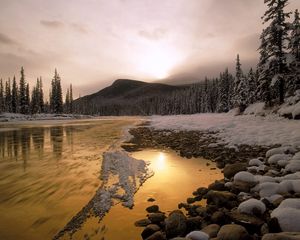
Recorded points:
(50, 170)
(174, 181)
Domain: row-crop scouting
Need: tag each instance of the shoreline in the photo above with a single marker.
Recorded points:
(247, 169)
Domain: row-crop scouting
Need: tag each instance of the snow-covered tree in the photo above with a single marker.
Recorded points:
(252, 86)
(56, 102)
(276, 36)
(14, 96)
(8, 96)
(22, 93)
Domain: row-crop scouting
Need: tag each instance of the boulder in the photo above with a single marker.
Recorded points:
(149, 230)
(220, 198)
(231, 169)
(157, 236)
(212, 230)
(233, 232)
(156, 218)
(142, 223)
(175, 224)
(282, 236)
(218, 217)
(250, 222)
(152, 209)
(197, 235)
(193, 223)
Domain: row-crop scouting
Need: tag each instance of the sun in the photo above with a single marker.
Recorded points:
(158, 62)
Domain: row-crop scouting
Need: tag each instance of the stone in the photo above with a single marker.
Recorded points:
(142, 223)
(211, 230)
(218, 186)
(231, 169)
(151, 200)
(156, 218)
(197, 235)
(282, 236)
(233, 232)
(149, 230)
(218, 217)
(220, 198)
(157, 236)
(250, 222)
(190, 200)
(152, 209)
(175, 224)
(193, 223)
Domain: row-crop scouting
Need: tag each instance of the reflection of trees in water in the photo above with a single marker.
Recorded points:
(69, 134)
(56, 136)
(25, 145)
(38, 140)
(9, 144)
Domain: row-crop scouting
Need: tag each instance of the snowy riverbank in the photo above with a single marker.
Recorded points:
(260, 189)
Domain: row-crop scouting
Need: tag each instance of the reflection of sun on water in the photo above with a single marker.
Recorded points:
(160, 162)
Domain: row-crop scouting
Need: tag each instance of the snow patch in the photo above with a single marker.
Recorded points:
(251, 205)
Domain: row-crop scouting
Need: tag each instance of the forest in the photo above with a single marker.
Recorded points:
(275, 78)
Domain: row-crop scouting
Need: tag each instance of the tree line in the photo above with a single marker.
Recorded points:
(16, 97)
(276, 77)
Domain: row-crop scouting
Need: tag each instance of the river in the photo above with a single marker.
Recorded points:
(51, 169)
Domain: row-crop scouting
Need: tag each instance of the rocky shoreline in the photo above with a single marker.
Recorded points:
(261, 185)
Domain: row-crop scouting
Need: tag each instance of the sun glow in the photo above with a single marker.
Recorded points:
(161, 161)
(158, 62)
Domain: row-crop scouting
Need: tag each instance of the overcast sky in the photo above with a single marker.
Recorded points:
(93, 42)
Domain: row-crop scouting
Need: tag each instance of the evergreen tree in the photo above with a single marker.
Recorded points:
(294, 57)
(71, 99)
(40, 96)
(67, 102)
(22, 93)
(224, 91)
(240, 87)
(14, 101)
(34, 106)
(251, 86)
(276, 36)
(27, 99)
(8, 96)
(1, 97)
(56, 101)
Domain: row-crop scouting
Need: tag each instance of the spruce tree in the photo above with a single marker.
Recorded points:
(14, 101)
(276, 36)
(294, 50)
(56, 101)
(1, 97)
(71, 99)
(67, 102)
(22, 93)
(251, 86)
(27, 99)
(41, 96)
(8, 96)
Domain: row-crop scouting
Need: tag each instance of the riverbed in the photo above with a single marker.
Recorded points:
(50, 170)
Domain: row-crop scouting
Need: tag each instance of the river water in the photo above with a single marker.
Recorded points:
(50, 170)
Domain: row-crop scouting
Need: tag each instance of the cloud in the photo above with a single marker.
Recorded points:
(79, 28)
(52, 24)
(4, 39)
(154, 35)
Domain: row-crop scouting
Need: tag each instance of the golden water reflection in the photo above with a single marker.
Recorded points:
(174, 181)
(49, 171)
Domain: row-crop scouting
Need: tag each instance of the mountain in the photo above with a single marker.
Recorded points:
(125, 96)
(125, 89)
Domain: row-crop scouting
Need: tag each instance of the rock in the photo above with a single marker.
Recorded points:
(201, 211)
(152, 209)
(157, 236)
(233, 232)
(218, 217)
(250, 222)
(197, 235)
(149, 230)
(220, 198)
(212, 230)
(175, 224)
(142, 223)
(282, 236)
(201, 191)
(218, 186)
(156, 218)
(190, 200)
(151, 200)
(180, 238)
(193, 223)
(231, 169)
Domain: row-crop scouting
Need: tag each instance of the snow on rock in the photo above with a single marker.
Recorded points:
(288, 215)
(262, 179)
(296, 111)
(293, 166)
(278, 157)
(256, 108)
(197, 235)
(267, 189)
(296, 156)
(244, 176)
(255, 162)
(235, 130)
(280, 150)
(251, 205)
